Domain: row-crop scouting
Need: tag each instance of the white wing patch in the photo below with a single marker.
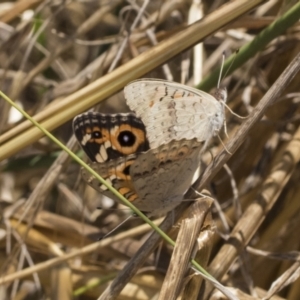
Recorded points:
(174, 111)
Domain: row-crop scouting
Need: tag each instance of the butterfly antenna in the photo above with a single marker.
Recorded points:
(221, 70)
(232, 62)
(228, 69)
(219, 82)
(118, 226)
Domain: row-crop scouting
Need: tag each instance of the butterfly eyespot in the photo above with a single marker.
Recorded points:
(126, 138)
(96, 134)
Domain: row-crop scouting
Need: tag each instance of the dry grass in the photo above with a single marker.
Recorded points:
(71, 56)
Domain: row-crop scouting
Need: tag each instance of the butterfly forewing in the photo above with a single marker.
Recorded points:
(104, 137)
(174, 111)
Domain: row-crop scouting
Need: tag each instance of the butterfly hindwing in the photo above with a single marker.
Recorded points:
(154, 181)
(161, 176)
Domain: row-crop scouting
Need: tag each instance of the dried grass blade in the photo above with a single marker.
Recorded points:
(184, 248)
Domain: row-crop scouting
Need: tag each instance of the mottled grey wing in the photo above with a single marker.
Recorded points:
(161, 176)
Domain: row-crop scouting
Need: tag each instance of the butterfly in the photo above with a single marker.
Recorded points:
(171, 110)
(154, 180)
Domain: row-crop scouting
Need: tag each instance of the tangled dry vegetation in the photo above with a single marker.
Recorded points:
(60, 58)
